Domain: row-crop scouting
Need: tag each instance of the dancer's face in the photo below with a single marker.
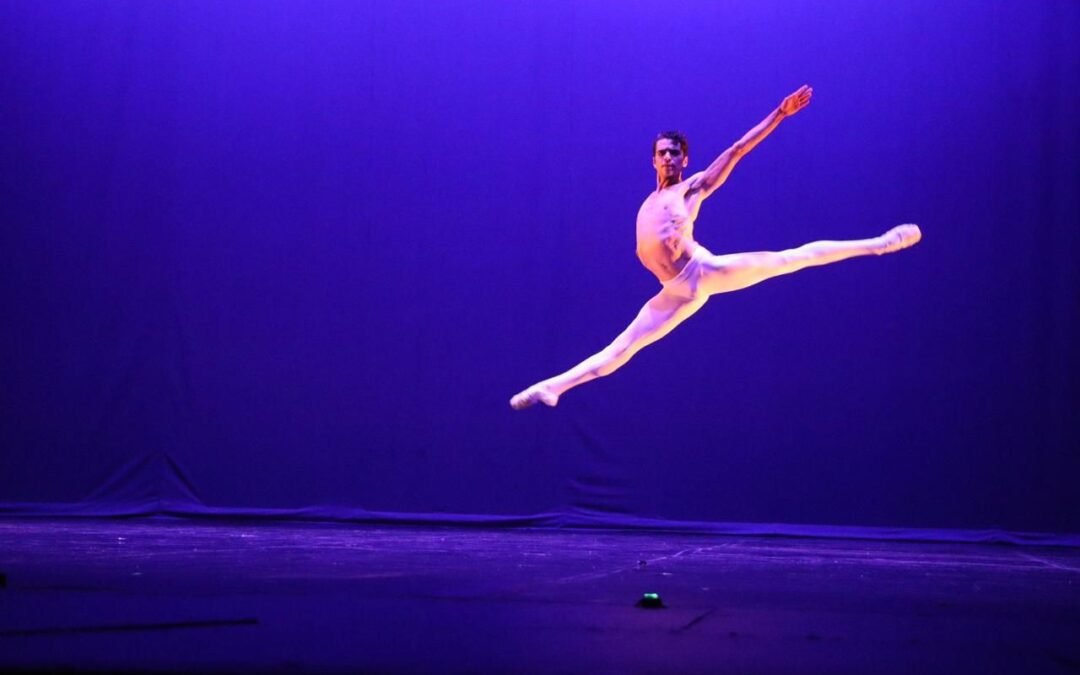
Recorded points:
(668, 160)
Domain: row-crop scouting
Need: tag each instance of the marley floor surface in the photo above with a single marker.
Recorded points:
(170, 595)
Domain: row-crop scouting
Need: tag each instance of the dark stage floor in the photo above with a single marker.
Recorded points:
(171, 595)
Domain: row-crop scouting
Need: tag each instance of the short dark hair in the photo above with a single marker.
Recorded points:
(676, 136)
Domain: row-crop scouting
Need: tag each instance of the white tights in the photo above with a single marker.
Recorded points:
(713, 274)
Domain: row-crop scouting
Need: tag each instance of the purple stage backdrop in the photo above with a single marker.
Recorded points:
(298, 255)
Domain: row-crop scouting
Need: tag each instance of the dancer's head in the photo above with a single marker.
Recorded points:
(671, 154)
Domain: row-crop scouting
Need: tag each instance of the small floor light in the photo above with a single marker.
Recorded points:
(650, 601)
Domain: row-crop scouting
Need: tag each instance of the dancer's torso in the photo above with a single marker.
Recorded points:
(665, 230)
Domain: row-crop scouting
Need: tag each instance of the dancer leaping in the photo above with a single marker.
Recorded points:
(688, 272)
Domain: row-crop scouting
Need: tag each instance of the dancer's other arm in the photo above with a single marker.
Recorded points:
(713, 177)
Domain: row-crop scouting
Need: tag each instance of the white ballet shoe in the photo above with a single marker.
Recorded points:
(531, 396)
(899, 238)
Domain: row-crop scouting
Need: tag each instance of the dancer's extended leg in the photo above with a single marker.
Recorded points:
(718, 274)
(725, 273)
(657, 318)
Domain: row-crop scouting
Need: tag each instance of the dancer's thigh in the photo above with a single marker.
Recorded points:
(660, 315)
(735, 271)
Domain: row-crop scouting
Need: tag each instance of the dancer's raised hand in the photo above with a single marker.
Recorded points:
(797, 101)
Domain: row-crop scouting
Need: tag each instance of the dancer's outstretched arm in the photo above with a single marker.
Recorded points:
(706, 182)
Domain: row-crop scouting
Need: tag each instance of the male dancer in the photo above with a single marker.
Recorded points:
(688, 272)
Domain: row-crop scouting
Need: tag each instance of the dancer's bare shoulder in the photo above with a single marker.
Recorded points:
(693, 184)
(678, 202)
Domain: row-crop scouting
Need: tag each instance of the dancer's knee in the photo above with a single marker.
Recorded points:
(749, 263)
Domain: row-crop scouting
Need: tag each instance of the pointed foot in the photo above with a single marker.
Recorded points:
(533, 395)
(899, 238)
